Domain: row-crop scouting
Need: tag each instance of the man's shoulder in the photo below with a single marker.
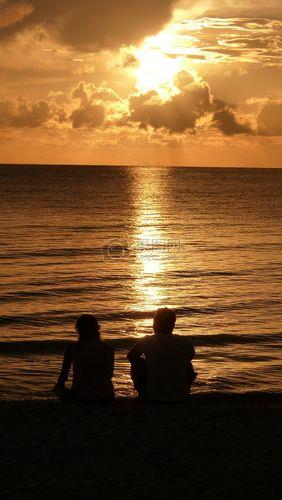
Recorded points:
(184, 339)
(145, 339)
(143, 342)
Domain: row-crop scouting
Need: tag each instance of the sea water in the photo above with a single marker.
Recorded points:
(120, 242)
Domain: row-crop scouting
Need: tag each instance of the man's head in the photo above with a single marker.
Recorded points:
(164, 321)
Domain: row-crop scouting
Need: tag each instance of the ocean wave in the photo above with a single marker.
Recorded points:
(104, 283)
(55, 317)
(53, 252)
(57, 346)
(243, 246)
(58, 292)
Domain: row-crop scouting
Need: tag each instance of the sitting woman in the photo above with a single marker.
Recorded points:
(93, 366)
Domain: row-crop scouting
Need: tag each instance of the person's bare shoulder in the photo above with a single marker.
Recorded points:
(70, 350)
(71, 347)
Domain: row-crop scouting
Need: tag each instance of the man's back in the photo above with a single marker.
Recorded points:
(167, 358)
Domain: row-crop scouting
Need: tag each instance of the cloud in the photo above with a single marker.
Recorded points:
(225, 119)
(269, 119)
(129, 61)
(177, 114)
(24, 113)
(191, 108)
(88, 114)
(92, 24)
(12, 13)
(220, 39)
(247, 8)
(61, 109)
(105, 94)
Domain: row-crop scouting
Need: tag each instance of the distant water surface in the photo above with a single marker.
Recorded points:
(120, 242)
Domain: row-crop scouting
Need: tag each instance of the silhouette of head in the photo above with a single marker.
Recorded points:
(164, 321)
(87, 327)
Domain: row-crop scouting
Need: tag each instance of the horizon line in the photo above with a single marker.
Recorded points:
(249, 167)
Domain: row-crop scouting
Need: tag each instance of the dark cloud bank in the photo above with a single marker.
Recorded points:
(177, 115)
(87, 24)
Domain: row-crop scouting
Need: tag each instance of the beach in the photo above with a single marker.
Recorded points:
(216, 445)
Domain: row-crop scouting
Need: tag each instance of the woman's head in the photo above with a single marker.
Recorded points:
(87, 327)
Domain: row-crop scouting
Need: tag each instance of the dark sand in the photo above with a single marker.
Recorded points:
(216, 446)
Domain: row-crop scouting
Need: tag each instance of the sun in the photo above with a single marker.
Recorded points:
(156, 72)
(156, 69)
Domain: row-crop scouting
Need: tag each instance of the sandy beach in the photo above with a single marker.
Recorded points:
(214, 446)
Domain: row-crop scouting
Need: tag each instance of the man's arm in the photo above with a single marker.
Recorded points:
(65, 370)
(137, 350)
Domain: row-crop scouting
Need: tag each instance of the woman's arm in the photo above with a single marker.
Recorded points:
(65, 370)
(112, 364)
(133, 355)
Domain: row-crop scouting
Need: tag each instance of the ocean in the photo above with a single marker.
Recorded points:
(120, 242)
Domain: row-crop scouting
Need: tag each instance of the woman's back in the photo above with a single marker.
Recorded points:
(93, 366)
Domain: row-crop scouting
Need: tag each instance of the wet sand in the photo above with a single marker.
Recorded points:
(219, 446)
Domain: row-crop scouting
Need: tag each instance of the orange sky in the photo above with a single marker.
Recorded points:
(157, 82)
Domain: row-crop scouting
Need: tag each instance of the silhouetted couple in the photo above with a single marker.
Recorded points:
(161, 367)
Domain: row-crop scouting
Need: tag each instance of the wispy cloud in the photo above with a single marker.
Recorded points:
(246, 40)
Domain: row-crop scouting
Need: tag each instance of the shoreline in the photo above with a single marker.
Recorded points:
(220, 445)
(195, 397)
(209, 397)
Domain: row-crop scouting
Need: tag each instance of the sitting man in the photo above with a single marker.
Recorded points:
(166, 373)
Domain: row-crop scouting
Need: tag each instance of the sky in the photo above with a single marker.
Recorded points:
(151, 82)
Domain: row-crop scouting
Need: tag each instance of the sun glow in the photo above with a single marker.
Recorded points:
(157, 70)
